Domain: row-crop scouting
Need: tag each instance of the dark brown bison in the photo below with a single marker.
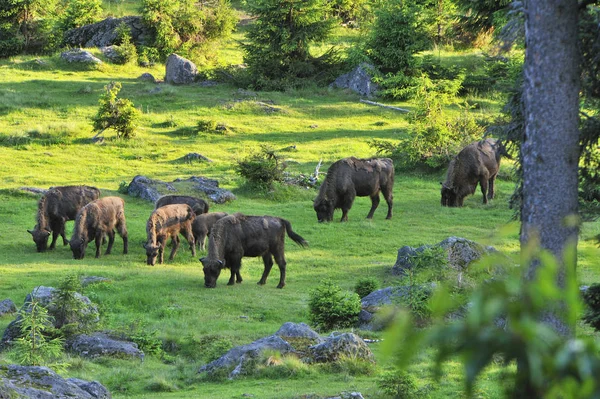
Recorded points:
(168, 221)
(236, 236)
(55, 208)
(203, 224)
(351, 177)
(94, 221)
(198, 205)
(476, 163)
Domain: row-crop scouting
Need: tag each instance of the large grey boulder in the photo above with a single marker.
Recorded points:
(102, 34)
(384, 297)
(46, 297)
(7, 306)
(180, 71)
(100, 344)
(149, 189)
(233, 363)
(460, 253)
(336, 347)
(79, 56)
(298, 330)
(210, 187)
(43, 383)
(358, 80)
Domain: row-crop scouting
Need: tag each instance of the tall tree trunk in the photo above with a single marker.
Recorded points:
(550, 150)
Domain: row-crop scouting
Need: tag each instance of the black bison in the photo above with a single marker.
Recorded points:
(198, 205)
(168, 221)
(236, 236)
(351, 177)
(203, 224)
(476, 163)
(94, 221)
(55, 208)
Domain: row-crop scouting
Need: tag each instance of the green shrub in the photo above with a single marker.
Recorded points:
(262, 169)
(125, 50)
(115, 113)
(81, 12)
(148, 56)
(398, 384)
(123, 187)
(71, 314)
(331, 308)
(206, 125)
(365, 286)
(591, 297)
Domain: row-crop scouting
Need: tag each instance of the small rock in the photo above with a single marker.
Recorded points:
(147, 77)
(194, 156)
(43, 383)
(358, 80)
(88, 280)
(100, 344)
(155, 90)
(7, 307)
(79, 55)
(208, 83)
(179, 70)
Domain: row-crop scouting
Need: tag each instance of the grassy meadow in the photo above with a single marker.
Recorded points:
(45, 132)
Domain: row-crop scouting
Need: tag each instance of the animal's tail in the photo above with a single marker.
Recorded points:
(296, 237)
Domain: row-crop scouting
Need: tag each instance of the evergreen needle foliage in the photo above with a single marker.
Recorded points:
(116, 113)
(330, 307)
(34, 348)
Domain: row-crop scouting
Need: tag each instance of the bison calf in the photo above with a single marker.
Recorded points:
(96, 219)
(351, 177)
(168, 221)
(198, 205)
(236, 236)
(478, 162)
(203, 224)
(56, 207)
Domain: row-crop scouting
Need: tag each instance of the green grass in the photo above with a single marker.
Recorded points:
(45, 129)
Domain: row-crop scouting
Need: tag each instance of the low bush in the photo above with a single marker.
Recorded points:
(397, 384)
(262, 169)
(365, 286)
(330, 307)
(116, 113)
(591, 297)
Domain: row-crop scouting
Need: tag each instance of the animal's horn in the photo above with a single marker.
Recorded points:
(202, 259)
(30, 231)
(221, 263)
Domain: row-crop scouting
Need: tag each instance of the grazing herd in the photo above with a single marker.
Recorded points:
(232, 237)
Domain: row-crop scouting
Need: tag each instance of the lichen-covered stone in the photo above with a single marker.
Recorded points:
(7, 306)
(100, 344)
(339, 346)
(180, 71)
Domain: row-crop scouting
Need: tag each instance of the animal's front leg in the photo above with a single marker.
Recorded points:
(175, 242)
(161, 249)
(232, 278)
(98, 243)
(54, 238)
(111, 241)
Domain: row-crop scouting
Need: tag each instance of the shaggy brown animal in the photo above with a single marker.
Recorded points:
(96, 219)
(198, 205)
(351, 177)
(478, 162)
(168, 221)
(236, 236)
(55, 208)
(203, 224)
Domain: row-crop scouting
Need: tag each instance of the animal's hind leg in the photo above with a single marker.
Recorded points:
(483, 182)
(280, 259)
(122, 230)
(389, 198)
(175, 242)
(491, 187)
(189, 236)
(268, 261)
(374, 205)
(111, 241)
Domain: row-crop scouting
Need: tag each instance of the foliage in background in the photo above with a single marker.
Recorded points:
(365, 286)
(116, 113)
(395, 37)
(550, 365)
(262, 169)
(186, 28)
(480, 16)
(78, 13)
(124, 49)
(278, 44)
(330, 307)
(398, 384)
(34, 347)
(71, 314)
(434, 139)
(591, 297)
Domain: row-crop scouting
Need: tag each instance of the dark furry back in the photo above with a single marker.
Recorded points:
(64, 202)
(198, 205)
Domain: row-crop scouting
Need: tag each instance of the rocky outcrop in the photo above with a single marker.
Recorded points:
(233, 363)
(340, 346)
(100, 344)
(460, 254)
(298, 330)
(180, 71)
(358, 80)
(151, 190)
(43, 383)
(46, 296)
(7, 307)
(79, 56)
(102, 34)
(147, 77)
